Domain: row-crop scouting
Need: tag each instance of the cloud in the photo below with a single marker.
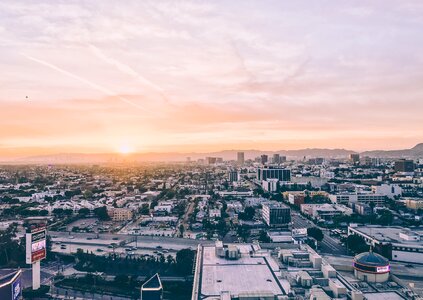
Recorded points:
(85, 81)
(129, 71)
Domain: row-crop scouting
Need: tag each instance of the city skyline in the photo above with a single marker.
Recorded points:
(102, 77)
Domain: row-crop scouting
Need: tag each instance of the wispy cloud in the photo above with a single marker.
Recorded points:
(124, 68)
(84, 81)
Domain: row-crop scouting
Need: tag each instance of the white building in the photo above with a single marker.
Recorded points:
(270, 185)
(368, 198)
(388, 190)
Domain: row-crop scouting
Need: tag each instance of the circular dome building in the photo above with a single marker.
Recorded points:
(371, 267)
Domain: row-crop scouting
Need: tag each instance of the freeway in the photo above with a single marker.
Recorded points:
(328, 244)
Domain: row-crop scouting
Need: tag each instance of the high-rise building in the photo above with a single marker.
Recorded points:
(282, 174)
(152, 289)
(240, 158)
(354, 157)
(211, 160)
(233, 175)
(282, 159)
(264, 158)
(276, 214)
(276, 158)
(404, 165)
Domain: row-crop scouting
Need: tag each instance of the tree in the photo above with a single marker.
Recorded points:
(154, 203)
(263, 237)
(84, 211)
(12, 252)
(315, 233)
(185, 261)
(101, 213)
(145, 209)
(121, 279)
(248, 213)
(357, 244)
(385, 218)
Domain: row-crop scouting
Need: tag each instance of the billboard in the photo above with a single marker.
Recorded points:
(36, 246)
(16, 289)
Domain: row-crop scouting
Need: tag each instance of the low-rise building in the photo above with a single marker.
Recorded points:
(368, 198)
(120, 214)
(296, 199)
(414, 203)
(389, 190)
(394, 242)
(325, 211)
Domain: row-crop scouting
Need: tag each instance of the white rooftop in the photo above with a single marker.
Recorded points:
(247, 275)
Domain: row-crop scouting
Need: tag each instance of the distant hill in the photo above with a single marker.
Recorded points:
(82, 158)
(415, 152)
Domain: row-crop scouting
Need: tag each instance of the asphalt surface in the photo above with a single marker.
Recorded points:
(328, 244)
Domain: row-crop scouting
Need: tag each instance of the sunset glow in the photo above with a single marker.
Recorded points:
(209, 76)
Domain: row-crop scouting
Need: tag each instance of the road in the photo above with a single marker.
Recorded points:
(328, 244)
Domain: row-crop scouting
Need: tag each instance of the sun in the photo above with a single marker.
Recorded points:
(125, 149)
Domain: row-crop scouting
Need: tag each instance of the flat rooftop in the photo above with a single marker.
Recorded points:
(391, 234)
(246, 275)
(383, 296)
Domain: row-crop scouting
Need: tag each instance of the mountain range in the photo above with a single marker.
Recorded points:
(64, 158)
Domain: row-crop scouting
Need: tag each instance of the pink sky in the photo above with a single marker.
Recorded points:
(102, 76)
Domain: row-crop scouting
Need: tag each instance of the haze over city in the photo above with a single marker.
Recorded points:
(158, 76)
(211, 150)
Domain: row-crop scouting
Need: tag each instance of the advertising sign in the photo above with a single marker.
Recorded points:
(16, 289)
(36, 244)
(382, 269)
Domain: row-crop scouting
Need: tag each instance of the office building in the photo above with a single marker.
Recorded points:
(240, 158)
(354, 158)
(404, 166)
(276, 158)
(211, 160)
(368, 198)
(233, 175)
(276, 214)
(152, 289)
(281, 174)
(263, 159)
(270, 185)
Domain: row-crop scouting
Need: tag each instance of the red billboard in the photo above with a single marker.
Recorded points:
(36, 247)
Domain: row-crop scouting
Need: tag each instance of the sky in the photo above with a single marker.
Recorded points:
(177, 76)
